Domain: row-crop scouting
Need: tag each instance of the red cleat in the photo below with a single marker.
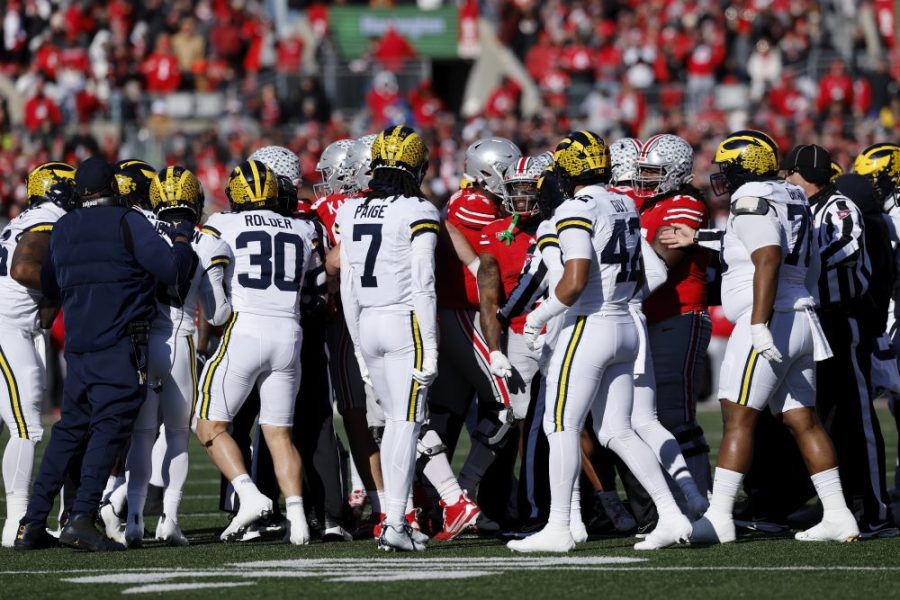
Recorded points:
(457, 518)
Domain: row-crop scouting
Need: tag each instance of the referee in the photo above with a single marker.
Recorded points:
(104, 263)
(844, 398)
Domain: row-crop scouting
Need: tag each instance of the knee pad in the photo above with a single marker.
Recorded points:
(493, 431)
(430, 444)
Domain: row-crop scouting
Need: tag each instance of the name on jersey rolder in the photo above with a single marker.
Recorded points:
(258, 220)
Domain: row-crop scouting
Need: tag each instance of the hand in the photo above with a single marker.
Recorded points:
(678, 235)
(532, 334)
(500, 366)
(181, 229)
(426, 375)
(363, 369)
(763, 343)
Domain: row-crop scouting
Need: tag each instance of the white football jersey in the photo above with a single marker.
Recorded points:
(787, 213)
(18, 304)
(614, 227)
(272, 255)
(177, 305)
(377, 238)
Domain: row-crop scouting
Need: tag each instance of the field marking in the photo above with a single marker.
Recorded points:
(182, 587)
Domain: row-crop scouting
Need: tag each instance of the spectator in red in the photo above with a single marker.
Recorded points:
(504, 100)
(225, 38)
(632, 108)
(41, 112)
(702, 63)
(383, 95)
(269, 112)
(577, 60)
(160, 69)
(554, 84)
(542, 57)
(835, 87)
(393, 50)
(211, 73)
(47, 59)
(425, 105)
(786, 99)
(289, 51)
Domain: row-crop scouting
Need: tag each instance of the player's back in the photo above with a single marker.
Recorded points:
(271, 256)
(788, 212)
(19, 305)
(614, 226)
(377, 239)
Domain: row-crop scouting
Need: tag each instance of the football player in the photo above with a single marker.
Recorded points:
(23, 245)
(133, 178)
(387, 240)
(599, 237)
(769, 290)
(261, 343)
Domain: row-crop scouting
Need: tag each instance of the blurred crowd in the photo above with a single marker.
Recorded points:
(802, 70)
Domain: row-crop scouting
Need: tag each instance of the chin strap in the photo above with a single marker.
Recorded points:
(507, 236)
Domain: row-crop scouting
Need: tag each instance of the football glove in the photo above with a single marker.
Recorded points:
(426, 375)
(363, 369)
(500, 366)
(763, 343)
(185, 228)
(532, 334)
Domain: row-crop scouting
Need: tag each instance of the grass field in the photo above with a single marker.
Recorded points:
(752, 568)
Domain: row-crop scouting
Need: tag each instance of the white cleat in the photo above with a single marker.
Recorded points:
(112, 524)
(168, 531)
(251, 511)
(578, 531)
(399, 538)
(668, 532)
(552, 538)
(833, 528)
(297, 531)
(713, 528)
(617, 513)
(697, 505)
(134, 533)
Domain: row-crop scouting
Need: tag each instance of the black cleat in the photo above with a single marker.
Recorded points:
(81, 533)
(34, 536)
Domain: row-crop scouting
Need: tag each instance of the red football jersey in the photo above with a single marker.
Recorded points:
(468, 210)
(512, 258)
(685, 289)
(326, 209)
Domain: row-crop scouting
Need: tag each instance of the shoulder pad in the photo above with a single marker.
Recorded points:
(749, 205)
(758, 189)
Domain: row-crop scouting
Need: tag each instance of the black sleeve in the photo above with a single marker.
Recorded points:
(169, 265)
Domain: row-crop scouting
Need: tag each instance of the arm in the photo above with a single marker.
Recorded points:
(25, 267)
(49, 285)
(577, 253)
(766, 263)
(213, 299)
(47, 311)
(169, 265)
(461, 246)
(655, 266)
(680, 235)
(490, 292)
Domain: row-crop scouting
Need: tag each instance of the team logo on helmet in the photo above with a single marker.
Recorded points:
(744, 156)
(836, 171)
(584, 157)
(402, 148)
(133, 177)
(880, 163)
(44, 179)
(176, 188)
(252, 185)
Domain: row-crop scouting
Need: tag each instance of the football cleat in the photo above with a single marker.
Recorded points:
(376, 529)
(34, 536)
(168, 531)
(669, 531)
(297, 531)
(334, 532)
(882, 530)
(457, 518)
(81, 533)
(833, 528)
(616, 511)
(713, 528)
(112, 524)
(552, 538)
(578, 530)
(251, 511)
(399, 538)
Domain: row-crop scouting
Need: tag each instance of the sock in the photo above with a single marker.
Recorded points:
(157, 474)
(382, 501)
(174, 468)
(575, 509)
(441, 476)
(565, 459)
(398, 460)
(668, 453)
(110, 486)
(410, 506)
(726, 485)
(293, 506)
(118, 496)
(828, 487)
(139, 472)
(18, 465)
(244, 487)
(643, 464)
(355, 480)
(477, 463)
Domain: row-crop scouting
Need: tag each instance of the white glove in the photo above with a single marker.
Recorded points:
(763, 343)
(500, 366)
(363, 369)
(425, 376)
(532, 334)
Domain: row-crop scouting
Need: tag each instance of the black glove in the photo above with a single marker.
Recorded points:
(181, 228)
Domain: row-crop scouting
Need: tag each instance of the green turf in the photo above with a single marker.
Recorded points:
(754, 567)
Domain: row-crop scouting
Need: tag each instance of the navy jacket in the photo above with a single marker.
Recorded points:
(104, 264)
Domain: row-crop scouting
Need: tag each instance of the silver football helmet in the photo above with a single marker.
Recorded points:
(520, 183)
(331, 168)
(487, 160)
(358, 163)
(281, 161)
(665, 164)
(623, 154)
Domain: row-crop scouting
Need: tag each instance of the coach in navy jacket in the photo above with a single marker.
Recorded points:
(104, 264)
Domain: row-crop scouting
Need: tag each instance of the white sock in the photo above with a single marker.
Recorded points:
(828, 487)
(16, 506)
(726, 485)
(398, 461)
(158, 476)
(441, 476)
(477, 463)
(382, 501)
(175, 468)
(643, 464)
(18, 465)
(118, 496)
(244, 487)
(293, 506)
(355, 480)
(565, 460)
(410, 505)
(110, 486)
(575, 510)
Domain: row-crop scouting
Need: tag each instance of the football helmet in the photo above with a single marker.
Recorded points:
(836, 171)
(582, 158)
(881, 164)
(286, 166)
(665, 163)
(400, 147)
(252, 186)
(133, 177)
(520, 183)
(745, 155)
(176, 189)
(51, 182)
(552, 190)
(357, 169)
(623, 154)
(488, 159)
(331, 167)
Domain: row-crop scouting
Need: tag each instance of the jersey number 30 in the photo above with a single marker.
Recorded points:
(272, 249)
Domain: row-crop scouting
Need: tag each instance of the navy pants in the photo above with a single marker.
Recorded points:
(101, 398)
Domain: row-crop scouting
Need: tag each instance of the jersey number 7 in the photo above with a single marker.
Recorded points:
(368, 278)
(4, 256)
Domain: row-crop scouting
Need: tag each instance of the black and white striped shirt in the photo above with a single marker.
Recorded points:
(845, 263)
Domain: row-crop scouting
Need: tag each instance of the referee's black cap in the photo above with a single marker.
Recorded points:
(94, 177)
(811, 161)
